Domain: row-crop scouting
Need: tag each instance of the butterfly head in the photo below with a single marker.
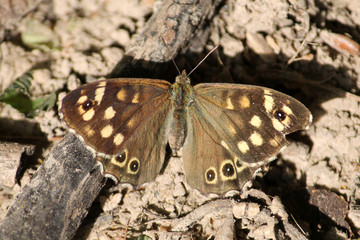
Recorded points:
(183, 78)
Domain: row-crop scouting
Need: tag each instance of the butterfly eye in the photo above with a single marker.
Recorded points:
(238, 163)
(134, 166)
(210, 175)
(280, 115)
(121, 158)
(228, 170)
(88, 104)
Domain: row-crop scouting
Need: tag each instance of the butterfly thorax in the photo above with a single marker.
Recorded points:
(181, 96)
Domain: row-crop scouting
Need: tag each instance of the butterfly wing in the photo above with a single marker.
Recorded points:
(125, 122)
(235, 129)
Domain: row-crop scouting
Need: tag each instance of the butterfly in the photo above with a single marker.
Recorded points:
(226, 131)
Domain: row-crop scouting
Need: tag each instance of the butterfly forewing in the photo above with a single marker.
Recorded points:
(236, 128)
(117, 118)
(274, 104)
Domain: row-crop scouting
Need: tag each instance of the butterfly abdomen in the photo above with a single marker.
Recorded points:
(182, 93)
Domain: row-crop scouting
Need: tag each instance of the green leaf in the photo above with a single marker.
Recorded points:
(18, 96)
(38, 35)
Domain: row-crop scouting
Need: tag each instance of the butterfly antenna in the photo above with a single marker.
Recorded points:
(207, 55)
(167, 47)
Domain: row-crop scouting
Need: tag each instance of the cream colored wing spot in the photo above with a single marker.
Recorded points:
(133, 166)
(287, 121)
(121, 95)
(229, 104)
(224, 144)
(102, 84)
(256, 139)
(120, 160)
(273, 142)
(99, 94)
(243, 147)
(106, 131)
(118, 139)
(211, 176)
(269, 103)
(232, 129)
(255, 121)
(287, 110)
(109, 113)
(88, 115)
(130, 123)
(81, 110)
(135, 98)
(267, 92)
(82, 99)
(227, 170)
(277, 124)
(244, 102)
(88, 131)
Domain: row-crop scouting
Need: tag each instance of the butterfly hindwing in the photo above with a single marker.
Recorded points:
(236, 129)
(117, 118)
(204, 157)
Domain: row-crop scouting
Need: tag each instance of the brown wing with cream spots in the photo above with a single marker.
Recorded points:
(124, 121)
(235, 129)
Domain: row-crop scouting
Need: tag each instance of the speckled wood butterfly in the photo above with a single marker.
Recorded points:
(226, 131)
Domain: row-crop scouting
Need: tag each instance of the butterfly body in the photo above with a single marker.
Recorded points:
(226, 131)
(182, 96)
